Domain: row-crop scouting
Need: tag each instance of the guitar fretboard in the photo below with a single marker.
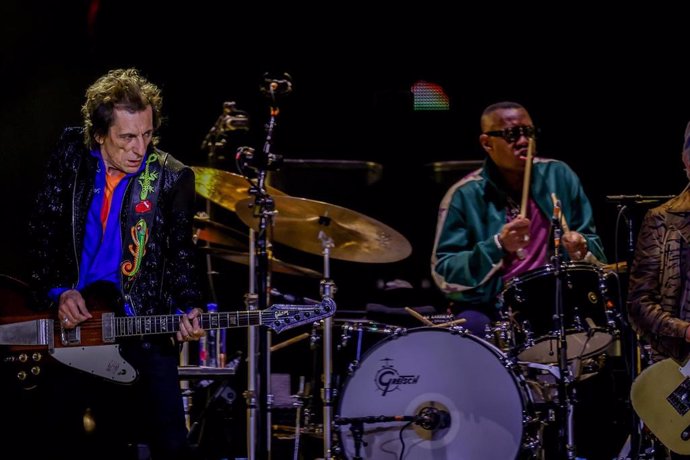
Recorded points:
(164, 324)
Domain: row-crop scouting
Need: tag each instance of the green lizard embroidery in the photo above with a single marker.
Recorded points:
(147, 178)
(140, 235)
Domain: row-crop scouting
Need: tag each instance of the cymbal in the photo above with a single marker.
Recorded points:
(216, 233)
(356, 237)
(276, 265)
(223, 187)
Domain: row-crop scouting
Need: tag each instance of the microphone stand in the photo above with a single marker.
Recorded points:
(258, 394)
(230, 119)
(565, 390)
(639, 440)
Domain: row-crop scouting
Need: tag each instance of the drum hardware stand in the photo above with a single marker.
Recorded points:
(298, 402)
(565, 389)
(258, 394)
(328, 393)
(231, 119)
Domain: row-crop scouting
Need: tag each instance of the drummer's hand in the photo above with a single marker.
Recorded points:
(575, 244)
(515, 234)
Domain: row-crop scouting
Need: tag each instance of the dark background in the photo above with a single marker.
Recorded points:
(610, 100)
(609, 95)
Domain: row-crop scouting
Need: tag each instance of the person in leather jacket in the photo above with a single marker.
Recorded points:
(114, 219)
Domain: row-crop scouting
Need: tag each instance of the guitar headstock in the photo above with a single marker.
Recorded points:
(280, 317)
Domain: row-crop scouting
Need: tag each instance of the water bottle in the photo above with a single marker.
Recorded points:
(208, 345)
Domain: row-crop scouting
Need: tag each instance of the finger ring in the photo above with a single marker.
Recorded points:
(65, 320)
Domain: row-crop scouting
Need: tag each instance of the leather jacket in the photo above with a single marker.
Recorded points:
(659, 287)
(168, 278)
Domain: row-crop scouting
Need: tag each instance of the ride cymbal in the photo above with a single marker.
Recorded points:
(356, 237)
(276, 265)
(223, 187)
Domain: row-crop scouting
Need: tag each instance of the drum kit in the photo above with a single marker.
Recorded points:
(430, 392)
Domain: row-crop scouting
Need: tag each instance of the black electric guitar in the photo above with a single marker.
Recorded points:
(92, 346)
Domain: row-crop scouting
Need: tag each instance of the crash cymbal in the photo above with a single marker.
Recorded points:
(276, 265)
(356, 237)
(216, 233)
(223, 187)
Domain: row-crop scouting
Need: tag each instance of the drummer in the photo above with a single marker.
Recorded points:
(498, 221)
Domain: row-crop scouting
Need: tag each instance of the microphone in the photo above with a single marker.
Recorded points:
(431, 419)
(232, 118)
(638, 199)
(273, 87)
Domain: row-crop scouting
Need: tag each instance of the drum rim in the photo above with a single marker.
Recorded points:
(548, 269)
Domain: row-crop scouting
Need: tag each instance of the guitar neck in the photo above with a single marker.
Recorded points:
(129, 326)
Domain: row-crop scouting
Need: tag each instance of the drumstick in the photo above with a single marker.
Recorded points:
(527, 178)
(421, 318)
(287, 342)
(452, 323)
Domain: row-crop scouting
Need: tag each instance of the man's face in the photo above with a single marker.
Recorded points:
(509, 139)
(124, 147)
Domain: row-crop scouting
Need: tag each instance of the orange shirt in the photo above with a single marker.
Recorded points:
(111, 182)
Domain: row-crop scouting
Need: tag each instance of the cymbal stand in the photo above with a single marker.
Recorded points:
(565, 388)
(640, 443)
(231, 119)
(327, 392)
(258, 394)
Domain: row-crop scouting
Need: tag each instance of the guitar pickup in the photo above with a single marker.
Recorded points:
(679, 398)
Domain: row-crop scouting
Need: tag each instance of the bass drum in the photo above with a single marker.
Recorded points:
(468, 402)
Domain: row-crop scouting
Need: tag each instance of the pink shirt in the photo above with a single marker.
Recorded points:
(537, 250)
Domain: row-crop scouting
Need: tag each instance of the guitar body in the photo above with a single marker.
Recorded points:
(660, 396)
(34, 341)
(22, 365)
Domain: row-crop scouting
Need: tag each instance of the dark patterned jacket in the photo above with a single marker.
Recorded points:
(168, 278)
(659, 287)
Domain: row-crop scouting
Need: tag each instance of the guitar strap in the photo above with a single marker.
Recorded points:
(140, 217)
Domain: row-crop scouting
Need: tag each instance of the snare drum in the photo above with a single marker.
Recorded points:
(588, 322)
(351, 338)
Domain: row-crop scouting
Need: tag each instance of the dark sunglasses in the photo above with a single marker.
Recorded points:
(514, 133)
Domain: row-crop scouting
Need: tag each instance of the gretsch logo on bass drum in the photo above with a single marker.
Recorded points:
(388, 379)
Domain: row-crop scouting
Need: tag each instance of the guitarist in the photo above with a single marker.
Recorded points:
(115, 209)
(658, 302)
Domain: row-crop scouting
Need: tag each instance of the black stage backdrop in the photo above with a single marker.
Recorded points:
(610, 100)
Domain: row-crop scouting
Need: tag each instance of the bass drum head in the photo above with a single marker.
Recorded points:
(452, 373)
